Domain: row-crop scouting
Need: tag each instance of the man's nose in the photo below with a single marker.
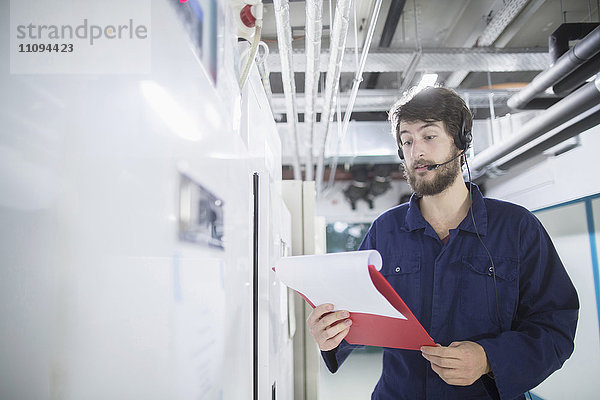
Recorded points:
(416, 150)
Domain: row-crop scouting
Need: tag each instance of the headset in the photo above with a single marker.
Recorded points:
(462, 141)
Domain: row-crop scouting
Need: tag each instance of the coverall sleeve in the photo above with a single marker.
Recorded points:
(541, 336)
(334, 358)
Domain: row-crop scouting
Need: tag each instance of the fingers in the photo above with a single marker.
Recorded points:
(461, 363)
(451, 376)
(328, 320)
(443, 362)
(439, 351)
(328, 328)
(318, 312)
(335, 341)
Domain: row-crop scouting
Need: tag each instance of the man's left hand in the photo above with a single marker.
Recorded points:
(461, 363)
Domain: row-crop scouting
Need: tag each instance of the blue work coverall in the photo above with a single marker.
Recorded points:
(526, 325)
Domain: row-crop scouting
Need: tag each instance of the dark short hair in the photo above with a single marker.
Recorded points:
(432, 104)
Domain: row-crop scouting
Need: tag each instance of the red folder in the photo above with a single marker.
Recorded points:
(381, 331)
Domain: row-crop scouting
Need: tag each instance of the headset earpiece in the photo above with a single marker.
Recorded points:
(400, 154)
(464, 137)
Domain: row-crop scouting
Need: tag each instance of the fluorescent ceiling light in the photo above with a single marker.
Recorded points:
(427, 80)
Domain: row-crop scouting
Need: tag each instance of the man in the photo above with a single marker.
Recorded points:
(481, 275)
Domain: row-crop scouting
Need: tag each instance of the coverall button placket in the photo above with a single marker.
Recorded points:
(437, 301)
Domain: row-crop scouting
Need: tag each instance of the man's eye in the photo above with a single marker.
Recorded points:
(406, 143)
(429, 137)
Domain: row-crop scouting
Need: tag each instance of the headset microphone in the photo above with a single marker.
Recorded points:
(435, 166)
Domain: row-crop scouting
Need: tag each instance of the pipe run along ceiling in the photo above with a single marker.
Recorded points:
(469, 44)
(440, 60)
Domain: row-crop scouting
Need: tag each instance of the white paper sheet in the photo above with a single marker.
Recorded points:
(338, 278)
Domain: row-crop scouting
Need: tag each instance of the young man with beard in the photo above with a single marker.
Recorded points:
(481, 275)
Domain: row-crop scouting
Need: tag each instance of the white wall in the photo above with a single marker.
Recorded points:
(98, 296)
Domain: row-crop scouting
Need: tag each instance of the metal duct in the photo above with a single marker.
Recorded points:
(501, 19)
(314, 29)
(587, 48)
(284, 43)
(481, 59)
(566, 109)
(368, 100)
(391, 22)
(336, 55)
(366, 142)
(496, 27)
(389, 29)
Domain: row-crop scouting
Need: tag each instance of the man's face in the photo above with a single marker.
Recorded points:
(423, 144)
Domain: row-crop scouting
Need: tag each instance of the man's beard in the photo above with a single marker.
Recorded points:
(443, 178)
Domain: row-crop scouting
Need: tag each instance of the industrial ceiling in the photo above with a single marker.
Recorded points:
(487, 50)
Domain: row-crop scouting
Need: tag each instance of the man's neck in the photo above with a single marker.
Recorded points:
(445, 210)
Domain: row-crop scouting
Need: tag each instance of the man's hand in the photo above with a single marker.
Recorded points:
(328, 328)
(461, 363)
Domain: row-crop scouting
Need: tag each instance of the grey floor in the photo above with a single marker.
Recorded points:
(356, 378)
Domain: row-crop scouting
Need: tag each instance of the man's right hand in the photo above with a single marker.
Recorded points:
(327, 327)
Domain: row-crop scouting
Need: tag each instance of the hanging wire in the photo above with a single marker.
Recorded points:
(331, 18)
(340, 122)
(339, 113)
(417, 37)
(493, 267)
(355, 35)
(404, 29)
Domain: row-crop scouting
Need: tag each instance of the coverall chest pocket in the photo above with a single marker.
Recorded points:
(479, 293)
(404, 274)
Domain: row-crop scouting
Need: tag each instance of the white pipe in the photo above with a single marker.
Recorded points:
(578, 55)
(284, 43)
(263, 71)
(258, 14)
(314, 30)
(357, 80)
(252, 54)
(336, 55)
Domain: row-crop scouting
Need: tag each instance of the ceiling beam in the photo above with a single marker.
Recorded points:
(446, 60)
(371, 100)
